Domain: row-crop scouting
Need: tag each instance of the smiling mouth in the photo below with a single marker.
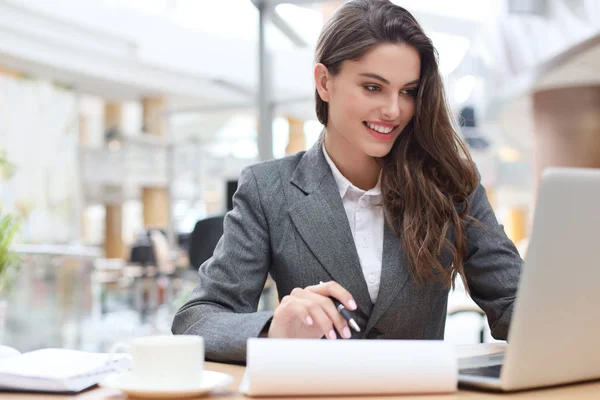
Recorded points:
(381, 133)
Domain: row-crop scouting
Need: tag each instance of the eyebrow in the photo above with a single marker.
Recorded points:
(382, 79)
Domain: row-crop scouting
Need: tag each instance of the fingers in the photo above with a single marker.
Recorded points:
(335, 290)
(321, 310)
(291, 306)
(333, 317)
(321, 318)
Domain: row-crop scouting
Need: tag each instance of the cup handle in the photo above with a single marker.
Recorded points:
(119, 347)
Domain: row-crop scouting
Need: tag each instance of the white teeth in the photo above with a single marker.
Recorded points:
(380, 129)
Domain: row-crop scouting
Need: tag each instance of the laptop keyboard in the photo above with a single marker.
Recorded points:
(493, 371)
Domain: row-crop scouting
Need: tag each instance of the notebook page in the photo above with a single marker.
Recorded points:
(7, 351)
(56, 364)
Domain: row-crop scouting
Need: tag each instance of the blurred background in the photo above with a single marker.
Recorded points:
(124, 125)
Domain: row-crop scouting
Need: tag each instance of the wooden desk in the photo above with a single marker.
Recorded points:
(583, 391)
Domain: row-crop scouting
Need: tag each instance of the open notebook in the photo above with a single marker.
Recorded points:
(56, 370)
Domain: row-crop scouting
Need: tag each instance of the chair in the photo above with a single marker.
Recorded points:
(204, 239)
(150, 261)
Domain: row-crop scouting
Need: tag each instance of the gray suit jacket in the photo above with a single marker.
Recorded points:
(288, 220)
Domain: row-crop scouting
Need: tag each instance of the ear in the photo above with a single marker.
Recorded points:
(322, 82)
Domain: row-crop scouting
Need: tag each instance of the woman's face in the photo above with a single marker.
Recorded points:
(371, 100)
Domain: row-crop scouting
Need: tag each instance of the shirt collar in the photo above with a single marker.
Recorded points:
(344, 184)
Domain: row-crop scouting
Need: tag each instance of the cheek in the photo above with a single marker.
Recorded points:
(358, 105)
(347, 106)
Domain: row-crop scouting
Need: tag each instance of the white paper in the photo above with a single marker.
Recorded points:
(7, 351)
(471, 350)
(480, 355)
(58, 369)
(281, 367)
(58, 363)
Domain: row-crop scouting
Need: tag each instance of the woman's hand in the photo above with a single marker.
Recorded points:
(310, 313)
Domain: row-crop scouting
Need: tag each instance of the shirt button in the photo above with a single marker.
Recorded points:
(372, 278)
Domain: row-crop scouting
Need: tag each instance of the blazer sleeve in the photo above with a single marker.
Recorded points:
(223, 306)
(492, 266)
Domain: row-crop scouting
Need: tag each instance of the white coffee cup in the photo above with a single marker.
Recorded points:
(165, 361)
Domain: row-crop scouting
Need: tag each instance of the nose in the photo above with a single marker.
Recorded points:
(391, 108)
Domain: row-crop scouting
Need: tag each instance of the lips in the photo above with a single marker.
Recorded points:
(381, 136)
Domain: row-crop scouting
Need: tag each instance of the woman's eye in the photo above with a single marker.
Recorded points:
(410, 92)
(372, 88)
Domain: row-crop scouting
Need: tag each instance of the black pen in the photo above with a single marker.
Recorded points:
(345, 313)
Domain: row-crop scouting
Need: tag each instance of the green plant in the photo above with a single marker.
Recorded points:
(9, 260)
(7, 168)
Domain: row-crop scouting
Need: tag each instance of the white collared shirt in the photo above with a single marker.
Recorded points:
(365, 215)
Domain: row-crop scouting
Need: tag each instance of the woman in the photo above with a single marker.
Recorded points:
(386, 208)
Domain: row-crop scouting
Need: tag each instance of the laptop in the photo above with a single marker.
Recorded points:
(554, 337)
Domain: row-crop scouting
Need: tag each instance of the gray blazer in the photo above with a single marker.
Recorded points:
(288, 220)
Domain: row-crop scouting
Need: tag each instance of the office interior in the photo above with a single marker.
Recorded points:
(124, 125)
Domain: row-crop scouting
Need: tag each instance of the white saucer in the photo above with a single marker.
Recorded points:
(211, 380)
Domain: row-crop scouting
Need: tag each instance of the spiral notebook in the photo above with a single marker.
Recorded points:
(58, 370)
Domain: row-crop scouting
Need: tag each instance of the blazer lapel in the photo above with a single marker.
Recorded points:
(322, 223)
(394, 275)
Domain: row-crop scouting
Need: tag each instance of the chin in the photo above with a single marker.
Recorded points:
(378, 150)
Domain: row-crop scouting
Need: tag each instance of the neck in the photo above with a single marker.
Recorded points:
(359, 168)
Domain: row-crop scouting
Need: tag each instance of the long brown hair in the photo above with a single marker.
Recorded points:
(429, 174)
